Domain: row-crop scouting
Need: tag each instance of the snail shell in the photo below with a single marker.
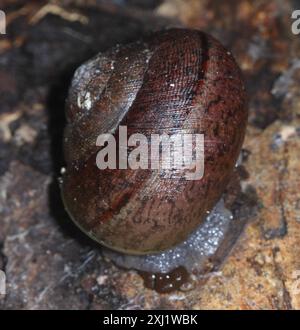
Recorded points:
(172, 81)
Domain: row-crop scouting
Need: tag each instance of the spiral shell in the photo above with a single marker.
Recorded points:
(173, 81)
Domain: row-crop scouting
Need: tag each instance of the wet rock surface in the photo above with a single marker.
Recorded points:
(48, 262)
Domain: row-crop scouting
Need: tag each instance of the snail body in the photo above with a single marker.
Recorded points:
(173, 81)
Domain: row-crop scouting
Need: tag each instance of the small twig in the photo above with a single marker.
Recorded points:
(59, 11)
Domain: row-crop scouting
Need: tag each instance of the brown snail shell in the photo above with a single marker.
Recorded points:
(171, 81)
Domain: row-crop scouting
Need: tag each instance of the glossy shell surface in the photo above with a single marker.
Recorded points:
(171, 82)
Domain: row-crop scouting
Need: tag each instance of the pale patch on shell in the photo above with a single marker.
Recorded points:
(84, 102)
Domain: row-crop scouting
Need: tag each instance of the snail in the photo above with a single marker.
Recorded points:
(173, 81)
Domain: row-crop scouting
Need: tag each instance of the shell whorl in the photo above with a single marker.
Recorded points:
(172, 81)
